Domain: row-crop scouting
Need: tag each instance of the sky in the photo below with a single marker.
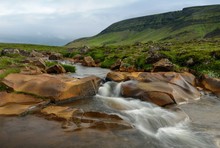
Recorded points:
(57, 22)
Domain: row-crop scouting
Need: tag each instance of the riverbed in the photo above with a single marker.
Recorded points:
(195, 124)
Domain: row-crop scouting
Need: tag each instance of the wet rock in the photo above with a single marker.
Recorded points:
(212, 84)
(116, 65)
(88, 61)
(163, 65)
(161, 88)
(10, 98)
(16, 104)
(59, 112)
(117, 76)
(9, 51)
(56, 88)
(56, 69)
(56, 56)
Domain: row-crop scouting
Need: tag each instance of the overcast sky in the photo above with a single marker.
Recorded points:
(56, 22)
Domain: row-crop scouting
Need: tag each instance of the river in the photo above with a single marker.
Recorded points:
(192, 125)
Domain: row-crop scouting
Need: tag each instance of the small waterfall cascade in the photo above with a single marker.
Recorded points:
(169, 128)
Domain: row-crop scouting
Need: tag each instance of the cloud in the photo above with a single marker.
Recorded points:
(60, 21)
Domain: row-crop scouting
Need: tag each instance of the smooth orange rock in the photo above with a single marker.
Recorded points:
(10, 98)
(59, 112)
(52, 86)
(14, 109)
(117, 76)
(212, 84)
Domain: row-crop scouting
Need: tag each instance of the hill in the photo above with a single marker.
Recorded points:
(190, 23)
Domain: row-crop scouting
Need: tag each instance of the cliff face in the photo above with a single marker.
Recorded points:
(190, 23)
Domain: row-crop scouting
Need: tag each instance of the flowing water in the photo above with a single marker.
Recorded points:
(193, 125)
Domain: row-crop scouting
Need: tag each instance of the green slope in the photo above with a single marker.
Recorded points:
(190, 23)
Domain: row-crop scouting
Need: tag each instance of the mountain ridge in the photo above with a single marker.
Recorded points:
(190, 23)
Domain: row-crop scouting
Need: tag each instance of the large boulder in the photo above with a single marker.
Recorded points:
(88, 61)
(163, 65)
(161, 88)
(212, 84)
(56, 88)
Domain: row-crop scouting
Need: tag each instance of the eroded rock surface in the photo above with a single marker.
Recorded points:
(56, 88)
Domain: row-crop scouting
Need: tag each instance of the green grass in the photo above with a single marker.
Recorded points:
(69, 68)
(188, 24)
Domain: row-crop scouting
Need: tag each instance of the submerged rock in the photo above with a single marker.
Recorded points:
(54, 87)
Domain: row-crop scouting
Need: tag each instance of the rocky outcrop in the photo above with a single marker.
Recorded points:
(78, 119)
(56, 56)
(163, 65)
(88, 61)
(56, 88)
(56, 69)
(161, 88)
(16, 104)
(212, 84)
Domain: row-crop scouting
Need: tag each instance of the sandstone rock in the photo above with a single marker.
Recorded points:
(212, 84)
(10, 98)
(56, 56)
(117, 76)
(16, 104)
(54, 87)
(88, 61)
(161, 88)
(163, 65)
(159, 92)
(59, 112)
(57, 69)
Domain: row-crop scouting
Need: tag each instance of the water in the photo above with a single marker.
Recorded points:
(169, 128)
(153, 126)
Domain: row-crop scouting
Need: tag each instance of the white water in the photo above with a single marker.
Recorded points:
(169, 128)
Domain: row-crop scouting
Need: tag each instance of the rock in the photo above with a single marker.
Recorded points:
(190, 62)
(212, 84)
(84, 49)
(161, 88)
(9, 51)
(54, 87)
(56, 56)
(116, 76)
(16, 104)
(57, 69)
(154, 57)
(10, 98)
(78, 58)
(31, 70)
(116, 65)
(163, 65)
(59, 112)
(24, 53)
(88, 61)
(127, 68)
(36, 54)
(39, 62)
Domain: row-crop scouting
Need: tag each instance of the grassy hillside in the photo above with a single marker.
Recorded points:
(190, 23)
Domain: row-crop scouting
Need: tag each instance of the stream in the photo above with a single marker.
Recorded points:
(192, 125)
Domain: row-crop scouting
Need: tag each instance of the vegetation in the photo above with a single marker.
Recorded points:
(202, 56)
(67, 67)
(188, 24)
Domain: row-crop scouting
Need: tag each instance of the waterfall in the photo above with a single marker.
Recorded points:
(171, 129)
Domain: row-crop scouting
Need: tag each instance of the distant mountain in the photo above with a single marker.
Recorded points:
(190, 23)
